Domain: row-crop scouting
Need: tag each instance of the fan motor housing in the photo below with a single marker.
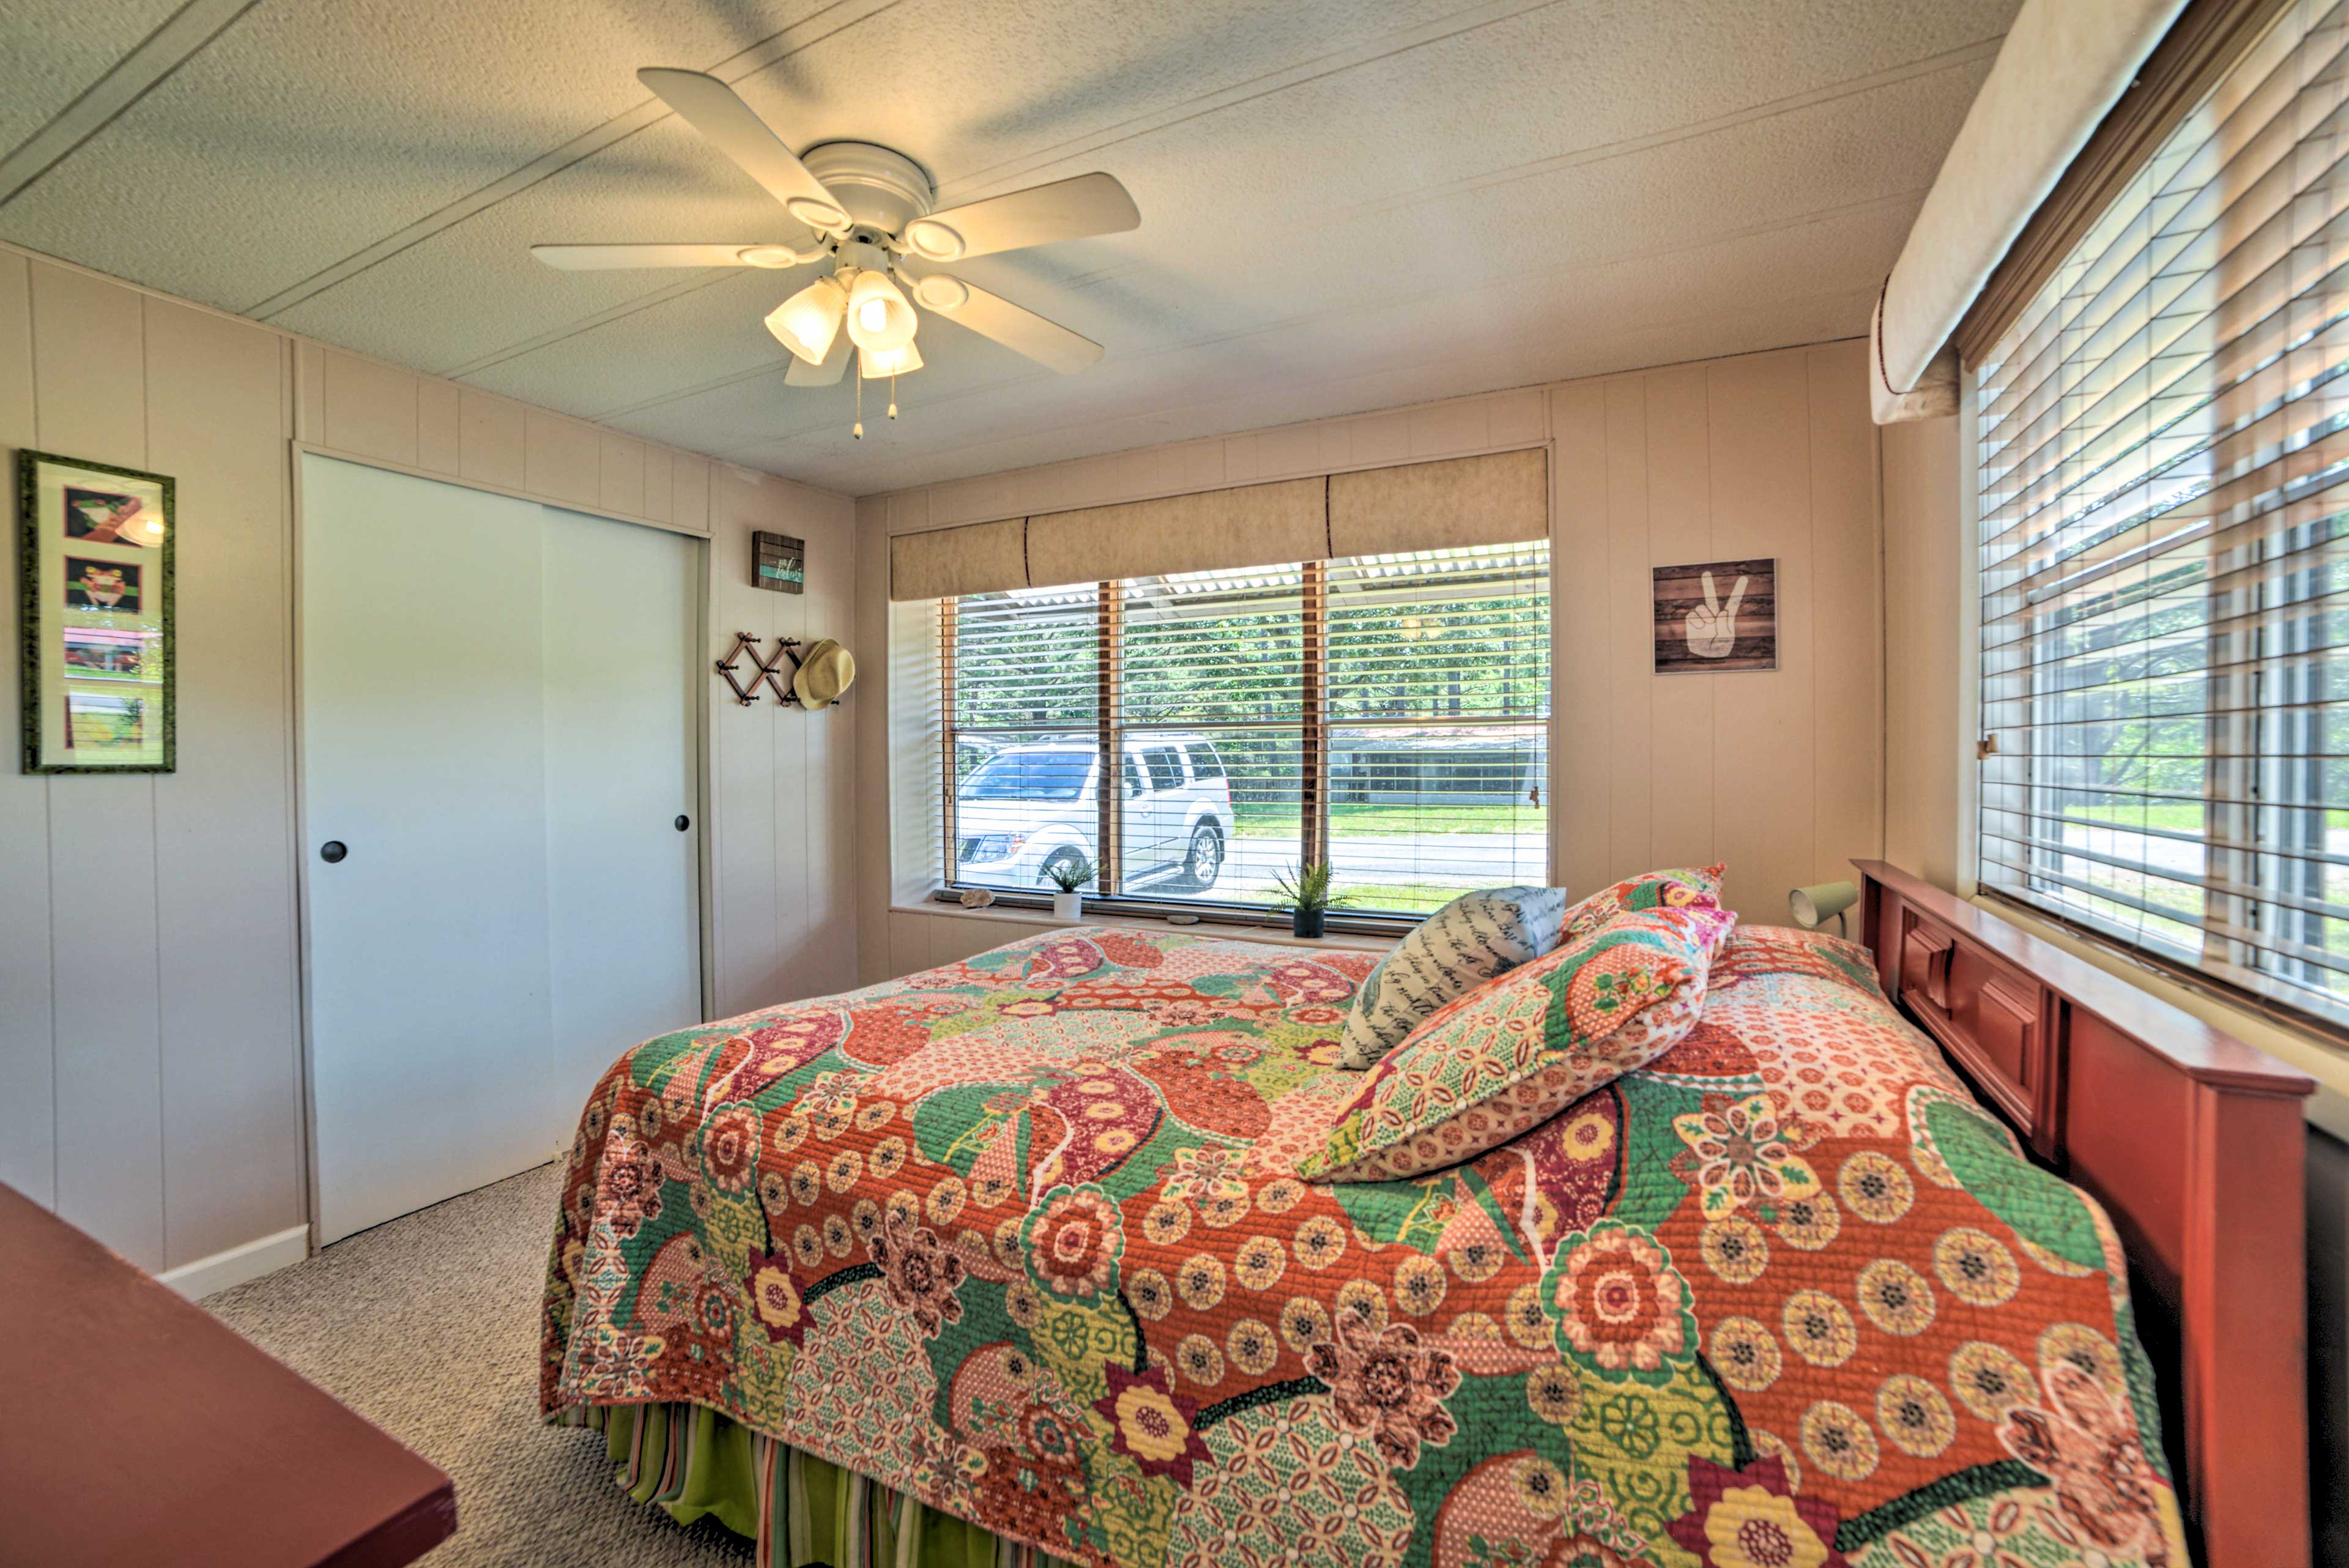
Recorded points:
(878, 187)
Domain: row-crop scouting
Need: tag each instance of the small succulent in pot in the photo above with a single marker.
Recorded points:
(1305, 893)
(1068, 871)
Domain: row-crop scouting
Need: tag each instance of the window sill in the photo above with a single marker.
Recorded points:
(2319, 1057)
(1343, 941)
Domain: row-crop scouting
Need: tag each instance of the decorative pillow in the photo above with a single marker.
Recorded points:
(1690, 888)
(1453, 951)
(1518, 1052)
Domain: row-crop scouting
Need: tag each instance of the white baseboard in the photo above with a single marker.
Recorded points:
(265, 1255)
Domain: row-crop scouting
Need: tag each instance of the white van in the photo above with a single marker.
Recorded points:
(1032, 807)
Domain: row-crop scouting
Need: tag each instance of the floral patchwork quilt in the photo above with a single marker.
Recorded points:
(1023, 1237)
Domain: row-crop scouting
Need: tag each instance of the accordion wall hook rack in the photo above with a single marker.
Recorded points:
(819, 676)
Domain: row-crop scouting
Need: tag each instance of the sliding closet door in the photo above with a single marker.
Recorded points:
(622, 626)
(423, 752)
(497, 745)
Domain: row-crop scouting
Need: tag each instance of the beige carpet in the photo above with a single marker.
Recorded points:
(428, 1327)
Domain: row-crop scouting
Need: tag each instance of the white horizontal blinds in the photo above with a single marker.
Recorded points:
(2163, 470)
(1022, 724)
(1211, 669)
(1438, 714)
(1387, 712)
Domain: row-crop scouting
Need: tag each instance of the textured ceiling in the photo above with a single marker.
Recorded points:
(1346, 204)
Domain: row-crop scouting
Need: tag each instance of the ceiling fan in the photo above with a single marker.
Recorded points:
(866, 209)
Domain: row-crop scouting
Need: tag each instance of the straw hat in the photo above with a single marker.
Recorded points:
(827, 671)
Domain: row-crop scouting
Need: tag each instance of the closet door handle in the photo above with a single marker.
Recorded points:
(683, 822)
(333, 851)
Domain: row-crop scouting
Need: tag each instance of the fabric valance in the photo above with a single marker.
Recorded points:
(1248, 525)
(981, 558)
(2063, 67)
(1493, 499)
(1501, 499)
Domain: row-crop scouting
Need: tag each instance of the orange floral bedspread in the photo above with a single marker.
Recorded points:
(1021, 1237)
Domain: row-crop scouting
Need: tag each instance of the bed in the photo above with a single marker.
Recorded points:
(1010, 1259)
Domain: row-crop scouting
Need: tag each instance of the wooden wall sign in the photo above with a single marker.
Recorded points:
(1716, 616)
(779, 562)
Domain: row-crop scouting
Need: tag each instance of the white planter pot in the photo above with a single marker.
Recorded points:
(1067, 906)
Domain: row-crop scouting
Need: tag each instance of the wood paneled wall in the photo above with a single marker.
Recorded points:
(149, 1032)
(350, 406)
(1928, 766)
(150, 1068)
(1780, 773)
(782, 786)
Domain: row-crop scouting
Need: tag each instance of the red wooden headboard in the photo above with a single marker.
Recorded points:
(2192, 1140)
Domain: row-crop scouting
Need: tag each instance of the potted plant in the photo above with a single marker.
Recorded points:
(1305, 893)
(1068, 872)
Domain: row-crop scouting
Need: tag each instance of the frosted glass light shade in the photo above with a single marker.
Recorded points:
(807, 322)
(880, 362)
(879, 315)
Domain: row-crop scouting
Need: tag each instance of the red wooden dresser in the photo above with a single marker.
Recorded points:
(140, 1430)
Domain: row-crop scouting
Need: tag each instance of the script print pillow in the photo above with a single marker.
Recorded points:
(1455, 950)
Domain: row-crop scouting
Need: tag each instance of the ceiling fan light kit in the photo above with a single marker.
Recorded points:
(877, 363)
(807, 322)
(867, 206)
(880, 318)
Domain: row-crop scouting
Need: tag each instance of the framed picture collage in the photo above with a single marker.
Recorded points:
(96, 554)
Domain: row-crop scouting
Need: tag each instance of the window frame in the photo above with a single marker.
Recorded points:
(2255, 714)
(1314, 727)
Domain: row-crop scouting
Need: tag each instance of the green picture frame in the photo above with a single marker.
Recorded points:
(97, 546)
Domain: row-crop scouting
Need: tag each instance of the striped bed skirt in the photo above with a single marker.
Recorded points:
(691, 1461)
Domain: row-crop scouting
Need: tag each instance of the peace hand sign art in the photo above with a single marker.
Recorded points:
(1697, 627)
(1713, 630)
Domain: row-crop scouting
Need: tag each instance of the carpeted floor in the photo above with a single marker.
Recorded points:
(428, 1327)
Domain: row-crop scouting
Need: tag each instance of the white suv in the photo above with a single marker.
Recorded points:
(1032, 807)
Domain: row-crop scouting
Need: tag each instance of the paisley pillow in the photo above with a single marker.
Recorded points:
(1452, 953)
(1690, 887)
(1517, 1051)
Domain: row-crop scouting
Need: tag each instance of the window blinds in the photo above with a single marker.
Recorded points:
(1386, 712)
(2163, 477)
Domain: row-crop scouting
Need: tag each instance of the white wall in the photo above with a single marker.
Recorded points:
(783, 785)
(1781, 772)
(1926, 724)
(150, 1086)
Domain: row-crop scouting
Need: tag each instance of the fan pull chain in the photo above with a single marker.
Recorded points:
(859, 431)
(893, 397)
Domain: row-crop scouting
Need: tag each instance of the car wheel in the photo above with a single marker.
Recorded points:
(1057, 860)
(1206, 861)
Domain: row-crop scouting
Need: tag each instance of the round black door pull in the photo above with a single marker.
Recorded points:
(683, 823)
(333, 851)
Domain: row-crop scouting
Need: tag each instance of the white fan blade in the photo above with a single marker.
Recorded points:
(1015, 327)
(713, 108)
(1064, 210)
(803, 374)
(595, 258)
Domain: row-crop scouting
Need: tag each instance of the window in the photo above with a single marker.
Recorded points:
(2163, 475)
(1388, 713)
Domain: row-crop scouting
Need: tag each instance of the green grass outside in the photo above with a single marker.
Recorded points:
(1390, 821)
(2168, 816)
